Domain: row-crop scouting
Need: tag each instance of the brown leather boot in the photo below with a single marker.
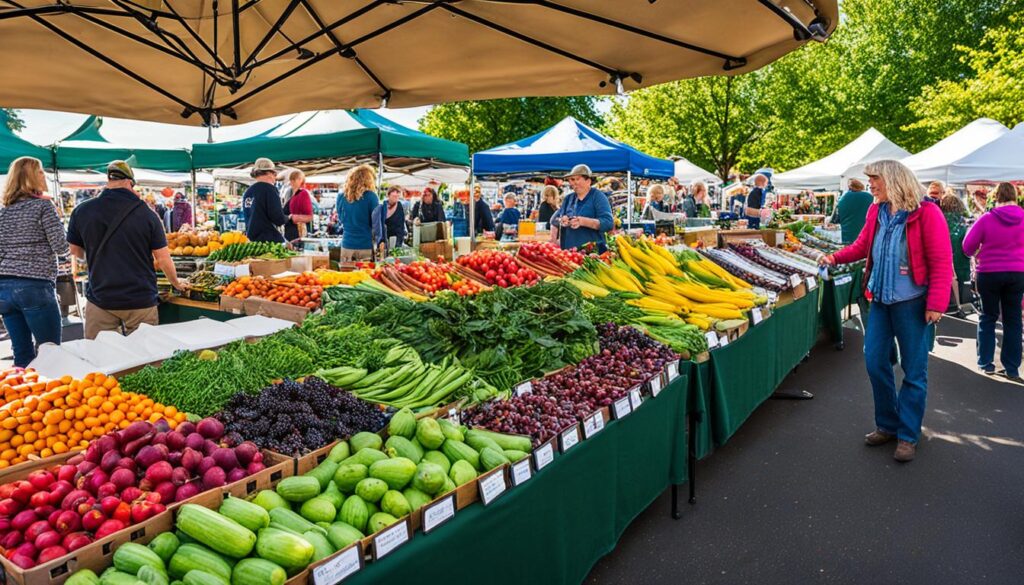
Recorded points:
(877, 437)
(905, 451)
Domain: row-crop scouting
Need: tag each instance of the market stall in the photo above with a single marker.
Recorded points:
(935, 163)
(832, 171)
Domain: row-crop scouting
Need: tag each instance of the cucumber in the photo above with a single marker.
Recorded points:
(339, 452)
(323, 472)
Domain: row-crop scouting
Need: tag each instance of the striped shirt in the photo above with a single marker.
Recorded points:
(31, 238)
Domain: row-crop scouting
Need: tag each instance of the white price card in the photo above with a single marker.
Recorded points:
(712, 339)
(794, 279)
(593, 424)
(673, 371)
(812, 283)
(224, 270)
(544, 455)
(390, 539)
(521, 472)
(723, 341)
(773, 297)
(755, 315)
(845, 279)
(570, 437)
(345, 564)
(622, 407)
(655, 383)
(524, 388)
(454, 416)
(492, 485)
(634, 398)
(438, 512)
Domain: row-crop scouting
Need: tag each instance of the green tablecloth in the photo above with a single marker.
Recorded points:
(835, 300)
(553, 528)
(700, 404)
(745, 373)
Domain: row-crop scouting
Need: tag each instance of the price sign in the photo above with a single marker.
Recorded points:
(347, 563)
(655, 384)
(794, 279)
(723, 341)
(755, 315)
(712, 339)
(390, 539)
(439, 512)
(634, 398)
(622, 407)
(224, 270)
(525, 388)
(673, 371)
(544, 455)
(570, 437)
(593, 425)
(492, 485)
(812, 283)
(773, 297)
(845, 279)
(521, 472)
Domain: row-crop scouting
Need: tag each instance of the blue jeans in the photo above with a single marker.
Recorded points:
(1001, 293)
(29, 309)
(898, 413)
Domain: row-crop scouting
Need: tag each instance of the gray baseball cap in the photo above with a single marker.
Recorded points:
(579, 171)
(263, 165)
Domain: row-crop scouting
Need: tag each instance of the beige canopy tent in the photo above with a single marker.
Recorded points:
(165, 60)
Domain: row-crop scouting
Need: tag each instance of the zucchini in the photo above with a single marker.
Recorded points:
(396, 473)
(298, 488)
(462, 472)
(321, 546)
(83, 577)
(291, 520)
(218, 532)
(438, 458)
(478, 441)
(371, 489)
(366, 456)
(258, 572)
(510, 442)
(118, 578)
(429, 434)
(164, 545)
(398, 446)
(319, 509)
(451, 430)
(492, 458)
(269, 499)
(189, 557)
(339, 452)
(348, 475)
(380, 521)
(284, 548)
(151, 576)
(130, 557)
(515, 456)
(333, 494)
(429, 478)
(248, 514)
(456, 451)
(341, 535)
(354, 513)
(416, 498)
(323, 473)
(402, 424)
(198, 577)
(394, 503)
(365, 440)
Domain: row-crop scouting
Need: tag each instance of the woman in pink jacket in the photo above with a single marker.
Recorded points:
(909, 272)
(997, 241)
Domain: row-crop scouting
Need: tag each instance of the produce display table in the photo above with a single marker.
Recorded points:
(835, 300)
(553, 528)
(179, 310)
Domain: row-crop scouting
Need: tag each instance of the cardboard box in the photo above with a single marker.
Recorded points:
(261, 306)
(434, 250)
(433, 231)
(232, 305)
(708, 237)
(268, 268)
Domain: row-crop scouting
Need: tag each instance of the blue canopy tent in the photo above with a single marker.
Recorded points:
(565, 145)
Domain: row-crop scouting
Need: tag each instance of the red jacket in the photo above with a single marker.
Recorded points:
(928, 248)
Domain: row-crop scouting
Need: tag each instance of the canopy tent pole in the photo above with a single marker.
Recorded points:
(56, 191)
(380, 172)
(472, 212)
(629, 199)
(195, 200)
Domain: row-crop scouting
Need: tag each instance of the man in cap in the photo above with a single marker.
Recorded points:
(261, 204)
(585, 214)
(120, 238)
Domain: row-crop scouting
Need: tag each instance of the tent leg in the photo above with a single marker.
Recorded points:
(195, 200)
(629, 198)
(380, 172)
(472, 213)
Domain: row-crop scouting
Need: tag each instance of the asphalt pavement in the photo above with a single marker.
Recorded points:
(796, 497)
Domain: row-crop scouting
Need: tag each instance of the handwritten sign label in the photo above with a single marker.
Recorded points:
(622, 407)
(544, 455)
(773, 297)
(570, 438)
(794, 279)
(454, 416)
(655, 384)
(673, 371)
(347, 563)
(593, 424)
(224, 270)
(712, 339)
(521, 472)
(812, 283)
(437, 513)
(634, 398)
(755, 315)
(723, 341)
(491, 486)
(525, 388)
(390, 539)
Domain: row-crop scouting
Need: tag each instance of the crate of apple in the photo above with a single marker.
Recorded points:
(121, 479)
(499, 268)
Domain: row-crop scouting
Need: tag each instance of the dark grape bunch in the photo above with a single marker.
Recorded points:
(298, 417)
(627, 358)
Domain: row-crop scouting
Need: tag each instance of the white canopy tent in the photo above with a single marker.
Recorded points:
(451, 176)
(687, 172)
(144, 177)
(1000, 160)
(936, 163)
(829, 172)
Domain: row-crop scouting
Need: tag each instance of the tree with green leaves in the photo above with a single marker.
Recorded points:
(14, 122)
(994, 90)
(486, 124)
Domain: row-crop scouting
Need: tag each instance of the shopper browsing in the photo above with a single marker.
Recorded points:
(120, 238)
(909, 273)
(699, 190)
(997, 242)
(298, 209)
(549, 205)
(31, 239)
(655, 199)
(355, 207)
(261, 204)
(851, 210)
(755, 201)
(181, 213)
(584, 215)
(508, 221)
(393, 219)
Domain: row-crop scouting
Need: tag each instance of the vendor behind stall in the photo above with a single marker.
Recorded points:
(585, 214)
(508, 221)
(261, 204)
(428, 209)
(755, 201)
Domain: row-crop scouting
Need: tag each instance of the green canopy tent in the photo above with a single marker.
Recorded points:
(87, 148)
(328, 141)
(12, 146)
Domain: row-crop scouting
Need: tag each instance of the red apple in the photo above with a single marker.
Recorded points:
(76, 540)
(9, 507)
(22, 561)
(92, 520)
(60, 489)
(40, 499)
(107, 489)
(69, 521)
(23, 493)
(109, 527)
(41, 479)
(109, 505)
(47, 539)
(130, 494)
(142, 511)
(36, 528)
(67, 473)
(6, 490)
(12, 540)
(123, 513)
(51, 553)
(73, 499)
